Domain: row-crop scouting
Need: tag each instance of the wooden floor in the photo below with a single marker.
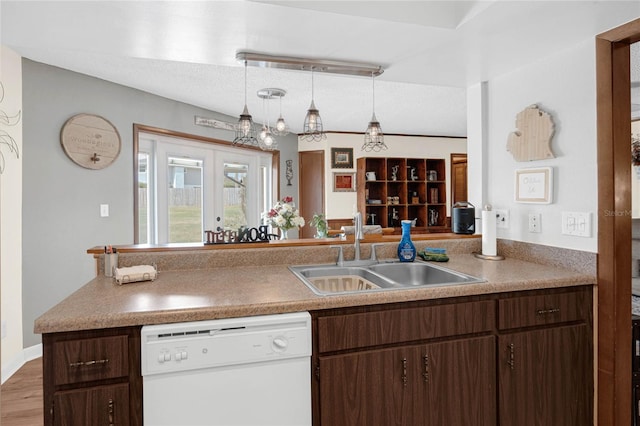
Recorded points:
(21, 397)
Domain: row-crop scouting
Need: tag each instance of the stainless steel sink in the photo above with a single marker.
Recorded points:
(332, 279)
(420, 274)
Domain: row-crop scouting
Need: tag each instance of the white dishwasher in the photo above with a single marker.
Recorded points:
(252, 371)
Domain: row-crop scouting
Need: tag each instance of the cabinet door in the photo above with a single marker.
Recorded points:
(369, 388)
(459, 379)
(546, 377)
(96, 406)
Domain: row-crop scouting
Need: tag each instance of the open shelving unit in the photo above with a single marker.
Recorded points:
(392, 189)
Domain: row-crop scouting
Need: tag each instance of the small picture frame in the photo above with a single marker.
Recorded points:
(342, 158)
(344, 182)
(535, 185)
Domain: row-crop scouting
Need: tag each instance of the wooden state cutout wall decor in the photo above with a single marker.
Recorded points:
(532, 138)
(90, 141)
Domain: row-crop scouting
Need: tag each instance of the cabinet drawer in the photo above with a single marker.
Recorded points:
(544, 309)
(404, 325)
(90, 359)
(99, 406)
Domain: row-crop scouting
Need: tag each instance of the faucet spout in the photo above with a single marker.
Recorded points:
(358, 234)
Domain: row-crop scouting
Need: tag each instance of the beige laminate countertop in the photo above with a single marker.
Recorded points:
(177, 296)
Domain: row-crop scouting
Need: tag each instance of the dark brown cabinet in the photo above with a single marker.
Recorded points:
(544, 377)
(95, 406)
(546, 359)
(92, 377)
(409, 364)
(521, 358)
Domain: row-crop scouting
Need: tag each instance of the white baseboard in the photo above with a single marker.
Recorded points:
(27, 354)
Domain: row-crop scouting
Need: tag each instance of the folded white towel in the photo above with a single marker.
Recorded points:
(135, 273)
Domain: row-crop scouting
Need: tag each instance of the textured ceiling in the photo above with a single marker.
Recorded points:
(431, 50)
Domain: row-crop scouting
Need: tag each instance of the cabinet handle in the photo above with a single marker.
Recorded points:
(88, 363)
(111, 411)
(425, 375)
(511, 361)
(404, 372)
(548, 311)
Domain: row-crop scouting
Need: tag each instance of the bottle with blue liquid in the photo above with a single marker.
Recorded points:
(406, 249)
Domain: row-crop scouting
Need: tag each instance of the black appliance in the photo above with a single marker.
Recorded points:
(464, 218)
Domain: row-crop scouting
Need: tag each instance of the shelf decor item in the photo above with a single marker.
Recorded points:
(284, 216)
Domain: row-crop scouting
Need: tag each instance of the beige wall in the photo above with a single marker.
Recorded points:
(11, 214)
(339, 205)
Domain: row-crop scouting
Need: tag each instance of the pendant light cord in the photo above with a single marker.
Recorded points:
(373, 91)
(245, 82)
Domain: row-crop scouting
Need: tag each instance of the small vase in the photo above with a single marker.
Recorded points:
(284, 234)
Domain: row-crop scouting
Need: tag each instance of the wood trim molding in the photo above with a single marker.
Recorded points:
(614, 223)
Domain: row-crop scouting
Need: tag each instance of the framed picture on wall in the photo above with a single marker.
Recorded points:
(342, 158)
(534, 185)
(344, 182)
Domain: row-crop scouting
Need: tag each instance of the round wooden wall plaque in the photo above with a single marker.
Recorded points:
(90, 141)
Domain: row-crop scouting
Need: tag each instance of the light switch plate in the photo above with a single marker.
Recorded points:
(576, 223)
(104, 210)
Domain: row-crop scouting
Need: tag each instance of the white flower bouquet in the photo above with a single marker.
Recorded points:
(284, 215)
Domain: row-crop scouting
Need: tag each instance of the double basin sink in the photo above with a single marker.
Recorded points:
(336, 279)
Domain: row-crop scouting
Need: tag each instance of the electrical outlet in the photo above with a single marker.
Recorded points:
(3, 331)
(502, 219)
(535, 222)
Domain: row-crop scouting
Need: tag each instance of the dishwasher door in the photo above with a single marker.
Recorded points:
(253, 371)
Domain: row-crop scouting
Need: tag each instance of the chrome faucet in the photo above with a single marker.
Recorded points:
(358, 234)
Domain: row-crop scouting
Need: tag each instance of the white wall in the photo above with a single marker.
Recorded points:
(564, 85)
(339, 205)
(11, 213)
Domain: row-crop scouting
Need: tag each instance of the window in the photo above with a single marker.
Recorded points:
(186, 186)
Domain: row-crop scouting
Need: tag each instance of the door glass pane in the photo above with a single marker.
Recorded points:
(235, 192)
(143, 197)
(185, 200)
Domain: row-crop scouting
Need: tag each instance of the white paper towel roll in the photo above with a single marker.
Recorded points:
(489, 233)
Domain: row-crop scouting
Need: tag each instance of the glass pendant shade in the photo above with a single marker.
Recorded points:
(281, 128)
(268, 142)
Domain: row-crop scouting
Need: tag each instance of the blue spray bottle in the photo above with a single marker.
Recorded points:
(406, 249)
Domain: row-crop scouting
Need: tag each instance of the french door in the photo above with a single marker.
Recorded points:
(186, 187)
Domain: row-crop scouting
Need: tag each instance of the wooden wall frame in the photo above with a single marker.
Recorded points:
(614, 231)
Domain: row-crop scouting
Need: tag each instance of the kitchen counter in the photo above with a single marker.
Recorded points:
(233, 291)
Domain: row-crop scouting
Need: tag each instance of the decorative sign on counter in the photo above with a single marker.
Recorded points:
(242, 235)
(90, 141)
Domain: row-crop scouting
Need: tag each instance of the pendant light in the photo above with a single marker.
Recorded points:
(281, 128)
(312, 129)
(266, 141)
(245, 133)
(373, 136)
